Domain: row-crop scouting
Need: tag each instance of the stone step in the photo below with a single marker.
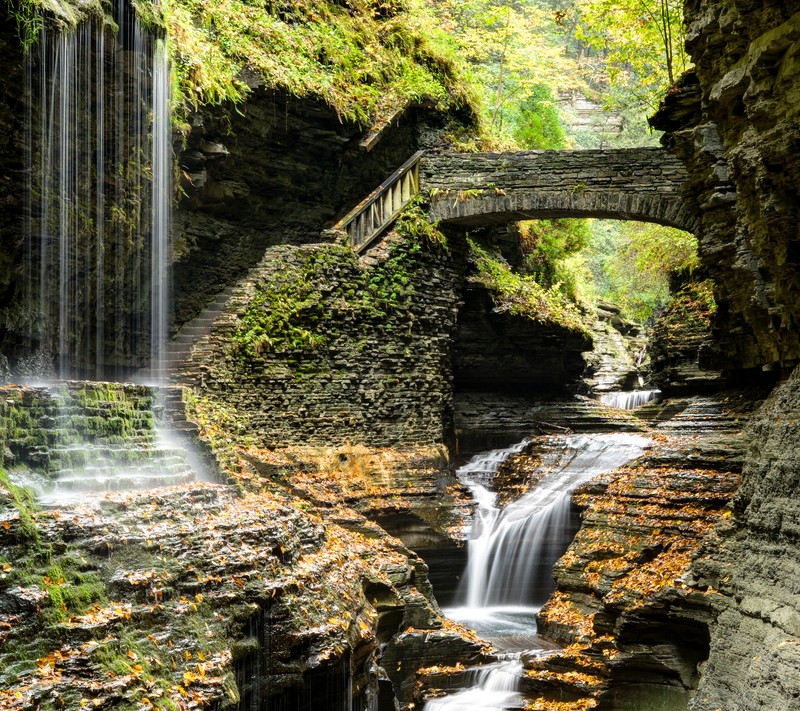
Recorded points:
(179, 349)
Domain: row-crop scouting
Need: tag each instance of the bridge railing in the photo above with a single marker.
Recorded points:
(367, 220)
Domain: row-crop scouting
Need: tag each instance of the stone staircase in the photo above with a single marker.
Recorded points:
(179, 350)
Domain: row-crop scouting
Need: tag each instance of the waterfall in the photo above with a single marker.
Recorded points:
(511, 553)
(629, 400)
(100, 185)
(494, 687)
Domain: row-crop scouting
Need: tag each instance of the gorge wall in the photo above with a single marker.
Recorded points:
(735, 123)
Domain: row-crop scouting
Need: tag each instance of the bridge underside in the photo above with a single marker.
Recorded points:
(479, 210)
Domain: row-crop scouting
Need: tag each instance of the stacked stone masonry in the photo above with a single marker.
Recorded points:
(483, 188)
(380, 373)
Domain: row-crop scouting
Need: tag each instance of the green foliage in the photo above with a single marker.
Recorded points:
(539, 123)
(632, 262)
(365, 58)
(21, 499)
(637, 45)
(522, 295)
(547, 243)
(514, 53)
(28, 20)
(414, 224)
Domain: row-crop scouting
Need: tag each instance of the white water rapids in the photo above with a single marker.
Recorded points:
(511, 554)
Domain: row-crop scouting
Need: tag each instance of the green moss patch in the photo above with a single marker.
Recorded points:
(522, 295)
(364, 58)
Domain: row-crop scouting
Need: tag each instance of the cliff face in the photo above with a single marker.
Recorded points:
(735, 124)
(755, 643)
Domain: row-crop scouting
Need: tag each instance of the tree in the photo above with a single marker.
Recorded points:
(631, 263)
(516, 54)
(639, 42)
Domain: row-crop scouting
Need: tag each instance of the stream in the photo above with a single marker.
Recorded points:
(511, 553)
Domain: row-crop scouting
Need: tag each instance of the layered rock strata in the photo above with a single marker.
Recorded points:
(634, 617)
(208, 597)
(680, 341)
(755, 641)
(734, 123)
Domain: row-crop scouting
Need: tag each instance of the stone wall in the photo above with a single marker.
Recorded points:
(631, 183)
(275, 170)
(317, 348)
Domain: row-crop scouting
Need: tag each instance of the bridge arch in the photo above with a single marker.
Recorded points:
(476, 189)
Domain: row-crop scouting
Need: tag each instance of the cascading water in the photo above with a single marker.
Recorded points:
(97, 243)
(511, 553)
(495, 686)
(629, 400)
(99, 166)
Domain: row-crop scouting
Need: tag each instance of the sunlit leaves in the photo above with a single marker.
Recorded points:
(632, 263)
(365, 62)
(640, 43)
(522, 295)
(513, 50)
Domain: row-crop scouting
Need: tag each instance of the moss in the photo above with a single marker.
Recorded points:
(522, 295)
(323, 295)
(29, 15)
(21, 499)
(364, 58)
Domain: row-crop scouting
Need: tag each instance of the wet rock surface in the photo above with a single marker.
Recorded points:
(491, 420)
(214, 598)
(200, 595)
(634, 618)
(734, 123)
(754, 656)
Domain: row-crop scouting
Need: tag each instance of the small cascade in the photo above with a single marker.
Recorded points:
(512, 551)
(494, 687)
(100, 186)
(629, 400)
(100, 470)
(511, 555)
(94, 439)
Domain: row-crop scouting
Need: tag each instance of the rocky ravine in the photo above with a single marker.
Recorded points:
(632, 614)
(204, 595)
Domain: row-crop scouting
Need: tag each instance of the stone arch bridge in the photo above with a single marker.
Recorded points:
(477, 189)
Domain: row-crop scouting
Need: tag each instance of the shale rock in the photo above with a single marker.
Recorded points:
(634, 616)
(754, 657)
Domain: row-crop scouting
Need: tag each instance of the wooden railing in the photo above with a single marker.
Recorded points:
(367, 220)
